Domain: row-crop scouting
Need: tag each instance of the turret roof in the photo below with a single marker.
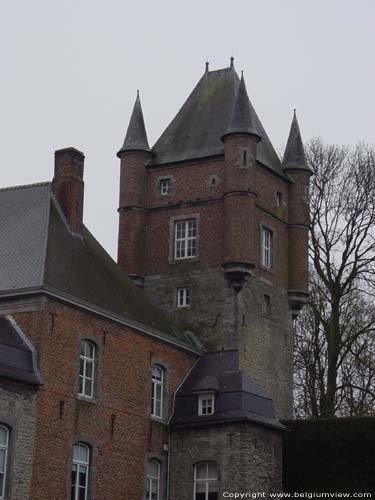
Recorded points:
(294, 155)
(136, 136)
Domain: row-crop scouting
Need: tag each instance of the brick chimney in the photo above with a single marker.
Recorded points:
(68, 185)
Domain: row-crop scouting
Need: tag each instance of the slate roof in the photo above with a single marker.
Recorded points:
(197, 129)
(17, 355)
(294, 155)
(136, 136)
(237, 396)
(39, 252)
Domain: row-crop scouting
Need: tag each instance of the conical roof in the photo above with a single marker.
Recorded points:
(294, 155)
(196, 130)
(136, 136)
(241, 121)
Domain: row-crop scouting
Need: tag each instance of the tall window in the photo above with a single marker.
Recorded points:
(86, 369)
(4, 444)
(267, 248)
(157, 391)
(153, 480)
(185, 245)
(80, 472)
(206, 478)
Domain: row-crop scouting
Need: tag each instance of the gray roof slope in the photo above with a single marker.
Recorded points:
(294, 155)
(136, 136)
(17, 355)
(196, 130)
(237, 395)
(37, 249)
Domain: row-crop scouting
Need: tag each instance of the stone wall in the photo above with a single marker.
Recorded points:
(18, 413)
(248, 458)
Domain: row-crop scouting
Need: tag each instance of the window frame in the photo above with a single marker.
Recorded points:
(150, 480)
(5, 448)
(75, 487)
(186, 297)
(155, 383)
(267, 251)
(279, 199)
(181, 252)
(206, 480)
(207, 396)
(83, 375)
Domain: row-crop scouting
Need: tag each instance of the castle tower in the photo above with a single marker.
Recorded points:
(215, 210)
(134, 154)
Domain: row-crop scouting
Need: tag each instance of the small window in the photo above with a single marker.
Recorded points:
(206, 478)
(4, 445)
(206, 404)
(279, 200)
(244, 158)
(266, 304)
(183, 297)
(80, 472)
(153, 480)
(165, 186)
(86, 369)
(267, 248)
(157, 389)
(185, 239)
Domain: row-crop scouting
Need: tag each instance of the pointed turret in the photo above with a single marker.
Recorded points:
(241, 121)
(136, 136)
(294, 155)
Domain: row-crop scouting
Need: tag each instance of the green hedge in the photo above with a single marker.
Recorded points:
(333, 455)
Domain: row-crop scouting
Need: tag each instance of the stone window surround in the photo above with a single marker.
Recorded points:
(158, 185)
(91, 443)
(172, 222)
(273, 260)
(158, 457)
(196, 465)
(155, 360)
(245, 154)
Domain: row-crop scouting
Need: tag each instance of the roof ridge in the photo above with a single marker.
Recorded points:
(24, 186)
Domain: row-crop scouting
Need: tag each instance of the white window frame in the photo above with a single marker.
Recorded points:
(267, 247)
(151, 480)
(156, 383)
(165, 186)
(84, 361)
(206, 480)
(185, 239)
(183, 297)
(4, 448)
(206, 404)
(279, 199)
(81, 466)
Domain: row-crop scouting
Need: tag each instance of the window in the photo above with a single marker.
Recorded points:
(80, 472)
(185, 239)
(157, 391)
(267, 248)
(279, 200)
(183, 297)
(86, 369)
(165, 186)
(266, 304)
(153, 480)
(244, 158)
(206, 404)
(4, 444)
(206, 481)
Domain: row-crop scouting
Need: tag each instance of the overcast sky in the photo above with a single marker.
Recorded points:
(70, 70)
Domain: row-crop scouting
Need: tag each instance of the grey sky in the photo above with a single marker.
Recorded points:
(70, 70)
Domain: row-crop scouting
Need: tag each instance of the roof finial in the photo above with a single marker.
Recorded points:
(241, 74)
(294, 111)
(207, 65)
(137, 92)
(232, 62)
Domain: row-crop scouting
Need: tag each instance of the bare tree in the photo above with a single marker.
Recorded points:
(339, 322)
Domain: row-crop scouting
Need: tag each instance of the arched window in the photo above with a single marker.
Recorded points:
(4, 445)
(153, 480)
(157, 390)
(87, 369)
(206, 477)
(80, 471)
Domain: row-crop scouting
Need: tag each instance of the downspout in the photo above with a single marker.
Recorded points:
(169, 420)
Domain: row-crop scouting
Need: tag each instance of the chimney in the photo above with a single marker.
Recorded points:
(68, 185)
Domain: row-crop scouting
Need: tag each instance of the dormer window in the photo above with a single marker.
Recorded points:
(165, 187)
(206, 403)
